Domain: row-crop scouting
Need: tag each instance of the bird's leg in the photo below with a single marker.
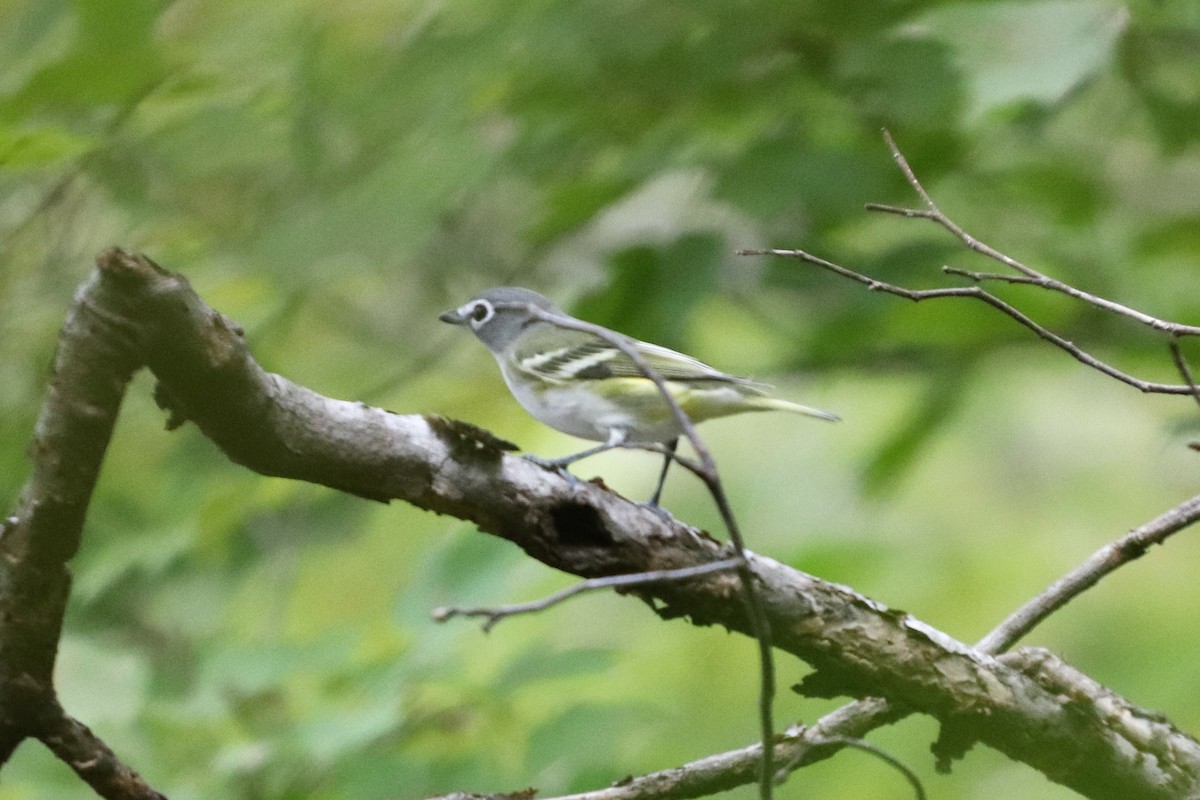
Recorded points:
(662, 476)
(615, 439)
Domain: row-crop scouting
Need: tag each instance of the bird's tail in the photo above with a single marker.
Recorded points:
(775, 404)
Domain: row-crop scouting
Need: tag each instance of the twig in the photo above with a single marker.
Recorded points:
(880, 753)
(1182, 365)
(712, 480)
(496, 613)
(1026, 275)
(722, 771)
(1045, 282)
(1029, 274)
(978, 293)
(1104, 561)
(934, 213)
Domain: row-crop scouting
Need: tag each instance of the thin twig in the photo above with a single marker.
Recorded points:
(981, 277)
(978, 293)
(880, 753)
(934, 213)
(496, 613)
(1051, 284)
(709, 474)
(1182, 365)
(1101, 563)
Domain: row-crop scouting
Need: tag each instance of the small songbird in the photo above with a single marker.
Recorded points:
(580, 384)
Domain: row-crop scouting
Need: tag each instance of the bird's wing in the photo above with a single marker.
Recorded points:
(561, 355)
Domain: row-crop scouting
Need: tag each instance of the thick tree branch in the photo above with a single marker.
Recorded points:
(806, 744)
(81, 750)
(96, 357)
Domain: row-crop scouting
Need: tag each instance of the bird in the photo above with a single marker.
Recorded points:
(579, 383)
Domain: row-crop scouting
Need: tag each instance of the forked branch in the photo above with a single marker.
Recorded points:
(1024, 274)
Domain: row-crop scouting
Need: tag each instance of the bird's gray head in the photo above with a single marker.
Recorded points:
(499, 315)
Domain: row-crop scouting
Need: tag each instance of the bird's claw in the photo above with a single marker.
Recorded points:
(659, 511)
(554, 464)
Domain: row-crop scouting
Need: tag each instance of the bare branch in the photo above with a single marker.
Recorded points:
(1103, 562)
(978, 293)
(1182, 365)
(79, 748)
(96, 357)
(496, 613)
(931, 211)
(795, 748)
(854, 720)
(1044, 282)
(857, 646)
(1026, 275)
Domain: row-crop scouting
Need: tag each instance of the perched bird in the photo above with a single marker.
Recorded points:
(578, 383)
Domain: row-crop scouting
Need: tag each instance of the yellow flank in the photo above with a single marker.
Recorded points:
(699, 400)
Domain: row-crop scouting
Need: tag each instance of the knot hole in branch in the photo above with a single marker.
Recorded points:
(578, 525)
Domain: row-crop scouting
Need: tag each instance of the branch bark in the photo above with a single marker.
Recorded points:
(97, 355)
(135, 312)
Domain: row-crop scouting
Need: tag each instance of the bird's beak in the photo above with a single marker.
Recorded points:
(452, 316)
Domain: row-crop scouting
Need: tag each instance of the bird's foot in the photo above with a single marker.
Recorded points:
(662, 513)
(558, 465)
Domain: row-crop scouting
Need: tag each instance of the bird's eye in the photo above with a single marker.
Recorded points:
(481, 312)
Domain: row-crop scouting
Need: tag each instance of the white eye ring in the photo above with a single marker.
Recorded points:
(478, 313)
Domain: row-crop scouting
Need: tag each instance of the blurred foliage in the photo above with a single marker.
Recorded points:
(332, 175)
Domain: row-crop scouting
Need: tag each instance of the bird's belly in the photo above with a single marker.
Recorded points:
(579, 411)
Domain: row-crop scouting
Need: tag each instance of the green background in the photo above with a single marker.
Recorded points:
(332, 177)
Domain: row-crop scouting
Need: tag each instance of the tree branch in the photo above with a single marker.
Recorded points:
(79, 748)
(977, 293)
(857, 646)
(95, 359)
(1103, 562)
(494, 614)
(803, 746)
(1028, 274)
